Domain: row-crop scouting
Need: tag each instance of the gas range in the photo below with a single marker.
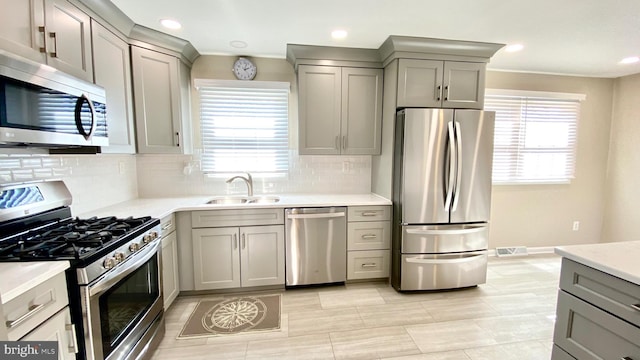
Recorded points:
(114, 287)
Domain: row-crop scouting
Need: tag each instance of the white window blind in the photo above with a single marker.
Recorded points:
(535, 136)
(244, 126)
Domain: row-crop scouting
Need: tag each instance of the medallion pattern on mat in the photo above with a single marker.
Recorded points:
(235, 315)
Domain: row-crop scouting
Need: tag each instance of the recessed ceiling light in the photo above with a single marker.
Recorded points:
(238, 44)
(514, 47)
(339, 34)
(170, 24)
(630, 60)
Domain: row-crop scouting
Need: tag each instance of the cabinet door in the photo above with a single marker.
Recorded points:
(216, 258)
(20, 23)
(262, 255)
(361, 111)
(170, 279)
(463, 85)
(319, 97)
(69, 39)
(420, 83)
(58, 328)
(112, 71)
(156, 92)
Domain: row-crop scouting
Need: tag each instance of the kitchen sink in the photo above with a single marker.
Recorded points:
(237, 200)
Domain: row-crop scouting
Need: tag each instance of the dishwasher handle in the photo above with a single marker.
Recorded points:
(316, 216)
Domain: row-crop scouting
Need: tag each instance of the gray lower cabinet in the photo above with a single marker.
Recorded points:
(368, 242)
(230, 257)
(170, 269)
(440, 84)
(340, 110)
(598, 315)
(112, 71)
(52, 32)
(159, 81)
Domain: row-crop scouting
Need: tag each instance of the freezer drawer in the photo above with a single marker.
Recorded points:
(447, 271)
(434, 239)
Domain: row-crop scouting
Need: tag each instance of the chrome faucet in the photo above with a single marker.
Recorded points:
(248, 180)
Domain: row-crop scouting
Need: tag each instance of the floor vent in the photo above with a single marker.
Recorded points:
(511, 251)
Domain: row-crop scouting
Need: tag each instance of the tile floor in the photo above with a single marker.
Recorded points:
(511, 316)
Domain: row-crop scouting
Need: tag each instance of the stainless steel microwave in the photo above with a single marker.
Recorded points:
(43, 107)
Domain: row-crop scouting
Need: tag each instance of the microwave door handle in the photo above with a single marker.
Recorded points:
(452, 167)
(78, 112)
(456, 195)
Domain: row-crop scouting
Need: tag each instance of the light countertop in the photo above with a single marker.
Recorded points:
(19, 277)
(160, 207)
(620, 259)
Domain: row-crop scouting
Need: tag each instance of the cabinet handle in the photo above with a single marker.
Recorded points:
(635, 307)
(43, 48)
(166, 226)
(626, 358)
(74, 339)
(369, 213)
(33, 309)
(368, 265)
(235, 241)
(446, 93)
(244, 242)
(178, 139)
(337, 145)
(369, 236)
(54, 54)
(344, 142)
(438, 92)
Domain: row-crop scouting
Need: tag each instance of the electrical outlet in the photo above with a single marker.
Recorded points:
(576, 225)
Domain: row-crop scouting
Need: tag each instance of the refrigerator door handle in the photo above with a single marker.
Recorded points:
(456, 192)
(452, 166)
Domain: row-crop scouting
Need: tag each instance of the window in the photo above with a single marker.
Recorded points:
(535, 136)
(244, 126)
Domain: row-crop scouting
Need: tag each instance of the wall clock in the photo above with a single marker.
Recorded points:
(244, 69)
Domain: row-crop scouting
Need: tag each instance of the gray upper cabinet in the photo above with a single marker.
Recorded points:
(440, 84)
(157, 101)
(48, 31)
(112, 70)
(340, 110)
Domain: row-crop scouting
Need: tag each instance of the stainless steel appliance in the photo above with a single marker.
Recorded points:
(316, 245)
(441, 197)
(114, 287)
(41, 106)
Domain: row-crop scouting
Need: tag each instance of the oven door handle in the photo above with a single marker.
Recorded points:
(111, 279)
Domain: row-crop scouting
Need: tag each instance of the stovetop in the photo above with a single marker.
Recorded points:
(77, 240)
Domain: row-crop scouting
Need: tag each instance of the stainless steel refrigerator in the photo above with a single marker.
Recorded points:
(441, 198)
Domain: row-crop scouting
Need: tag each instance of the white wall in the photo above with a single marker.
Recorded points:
(542, 215)
(622, 211)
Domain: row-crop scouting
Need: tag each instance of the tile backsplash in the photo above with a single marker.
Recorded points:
(101, 180)
(95, 181)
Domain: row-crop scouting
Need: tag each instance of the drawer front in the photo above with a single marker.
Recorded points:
(434, 272)
(168, 224)
(558, 354)
(587, 332)
(222, 218)
(35, 306)
(444, 238)
(373, 235)
(369, 213)
(607, 292)
(58, 328)
(371, 264)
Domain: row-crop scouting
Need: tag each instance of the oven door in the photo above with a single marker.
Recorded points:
(122, 308)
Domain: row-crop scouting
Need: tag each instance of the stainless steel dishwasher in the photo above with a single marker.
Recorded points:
(316, 245)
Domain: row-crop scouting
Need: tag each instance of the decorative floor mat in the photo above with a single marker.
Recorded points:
(232, 316)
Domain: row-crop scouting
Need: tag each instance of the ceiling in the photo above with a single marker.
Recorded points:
(572, 37)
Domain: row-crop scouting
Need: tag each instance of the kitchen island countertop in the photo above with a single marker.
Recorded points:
(620, 259)
(161, 207)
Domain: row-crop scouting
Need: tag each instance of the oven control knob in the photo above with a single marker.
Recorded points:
(154, 234)
(119, 257)
(146, 239)
(109, 263)
(134, 247)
